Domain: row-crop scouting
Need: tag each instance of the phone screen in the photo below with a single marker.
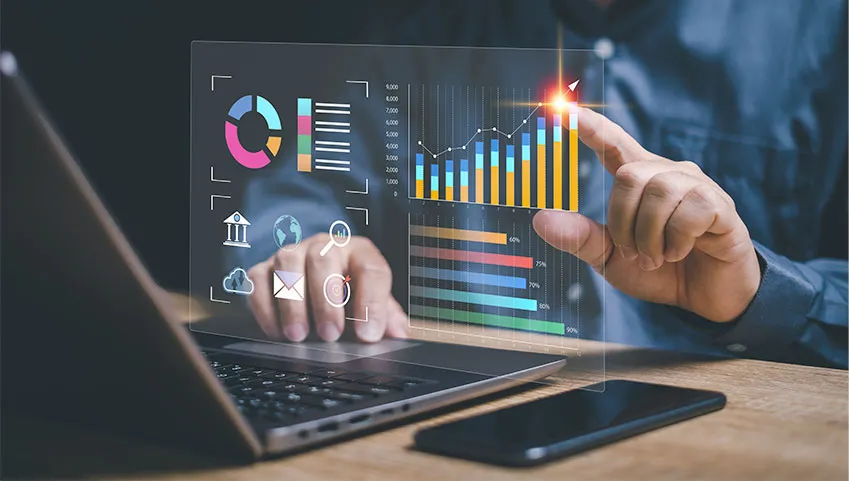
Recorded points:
(545, 427)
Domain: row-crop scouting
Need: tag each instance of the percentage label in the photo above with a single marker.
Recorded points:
(533, 285)
(541, 264)
(571, 330)
(544, 306)
(514, 240)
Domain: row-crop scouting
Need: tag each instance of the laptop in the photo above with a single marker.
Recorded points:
(89, 337)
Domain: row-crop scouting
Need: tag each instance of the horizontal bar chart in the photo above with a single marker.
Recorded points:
(493, 320)
(458, 234)
(469, 277)
(474, 298)
(472, 256)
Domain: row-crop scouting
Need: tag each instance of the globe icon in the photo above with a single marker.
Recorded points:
(287, 232)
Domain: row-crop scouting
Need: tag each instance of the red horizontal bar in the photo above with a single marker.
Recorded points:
(470, 256)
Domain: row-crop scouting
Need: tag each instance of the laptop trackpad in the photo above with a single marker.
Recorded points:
(331, 352)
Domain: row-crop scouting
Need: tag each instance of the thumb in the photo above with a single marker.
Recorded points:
(580, 236)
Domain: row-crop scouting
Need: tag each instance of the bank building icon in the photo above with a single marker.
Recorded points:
(237, 230)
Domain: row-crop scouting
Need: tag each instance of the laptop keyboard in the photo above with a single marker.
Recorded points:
(283, 395)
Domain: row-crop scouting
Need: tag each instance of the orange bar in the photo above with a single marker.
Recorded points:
(419, 189)
(434, 194)
(479, 186)
(573, 170)
(541, 176)
(526, 183)
(304, 163)
(558, 175)
(449, 193)
(464, 193)
(459, 234)
(493, 191)
(510, 190)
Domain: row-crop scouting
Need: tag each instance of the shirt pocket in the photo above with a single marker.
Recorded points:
(773, 187)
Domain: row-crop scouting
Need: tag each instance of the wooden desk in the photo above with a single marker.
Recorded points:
(781, 422)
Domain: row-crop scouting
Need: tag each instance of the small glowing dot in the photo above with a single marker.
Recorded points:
(420, 142)
(464, 147)
(479, 130)
(434, 156)
(524, 122)
(509, 135)
(493, 129)
(449, 149)
(539, 104)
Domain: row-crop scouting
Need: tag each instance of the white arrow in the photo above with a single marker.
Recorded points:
(573, 85)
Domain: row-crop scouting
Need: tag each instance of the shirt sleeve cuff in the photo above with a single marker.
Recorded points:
(774, 320)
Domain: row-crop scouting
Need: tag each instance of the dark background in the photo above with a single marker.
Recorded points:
(114, 76)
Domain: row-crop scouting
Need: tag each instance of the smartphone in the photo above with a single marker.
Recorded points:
(556, 426)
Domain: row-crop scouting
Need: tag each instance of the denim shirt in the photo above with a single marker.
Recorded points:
(753, 92)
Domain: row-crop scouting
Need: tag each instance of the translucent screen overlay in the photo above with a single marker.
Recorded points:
(440, 157)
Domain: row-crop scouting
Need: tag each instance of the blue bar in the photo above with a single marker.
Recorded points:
(557, 128)
(573, 121)
(540, 130)
(479, 155)
(510, 158)
(526, 146)
(469, 277)
(494, 153)
(449, 173)
(419, 166)
(464, 173)
(434, 177)
(474, 298)
(305, 107)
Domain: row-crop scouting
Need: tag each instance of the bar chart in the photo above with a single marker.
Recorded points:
(471, 275)
(522, 162)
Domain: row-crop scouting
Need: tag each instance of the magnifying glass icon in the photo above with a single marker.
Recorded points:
(340, 236)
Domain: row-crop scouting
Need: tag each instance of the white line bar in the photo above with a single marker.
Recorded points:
(328, 161)
(330, 142)
(340, 112)
(325, 104)
(324, 167)
(338, 124)
(339, 131)
(327, 149)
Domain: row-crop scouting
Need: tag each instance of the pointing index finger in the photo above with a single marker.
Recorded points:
(613, 146)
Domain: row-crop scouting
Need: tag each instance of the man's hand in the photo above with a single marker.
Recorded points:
(673, 235)
(371, 285)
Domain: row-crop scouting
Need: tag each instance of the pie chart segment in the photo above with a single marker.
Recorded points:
(240, 107)
(267, 111)
(251, 160)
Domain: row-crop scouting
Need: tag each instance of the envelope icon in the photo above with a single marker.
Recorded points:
(288, 285)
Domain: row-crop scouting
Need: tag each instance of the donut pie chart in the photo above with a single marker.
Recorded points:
(247, 158)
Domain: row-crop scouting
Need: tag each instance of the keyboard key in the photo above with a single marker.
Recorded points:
(349, 396)
(328, 373)
(277, 375)
(331, 382)
(358, 388)
(352, 376)
(318, 401)
(240, 389)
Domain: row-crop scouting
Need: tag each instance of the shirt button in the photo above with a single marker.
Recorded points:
(604, 48)
(574, 292)
(584, 169)
(736, 348)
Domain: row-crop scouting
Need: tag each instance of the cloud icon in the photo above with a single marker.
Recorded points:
(237, 282)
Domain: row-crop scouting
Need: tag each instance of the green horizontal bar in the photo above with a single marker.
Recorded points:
(488, 319)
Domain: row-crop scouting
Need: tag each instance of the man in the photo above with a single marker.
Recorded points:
(731, 155)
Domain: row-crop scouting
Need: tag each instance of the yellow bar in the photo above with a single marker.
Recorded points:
(479, 186)
(459, 234)
(449, 193)
(304, 163)
(526, 183)
(493, 192)
(573, 170)
(558, 175)
(434, 194)
(420, 189)
(464, 193)
(541, 176)
(510, 190)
